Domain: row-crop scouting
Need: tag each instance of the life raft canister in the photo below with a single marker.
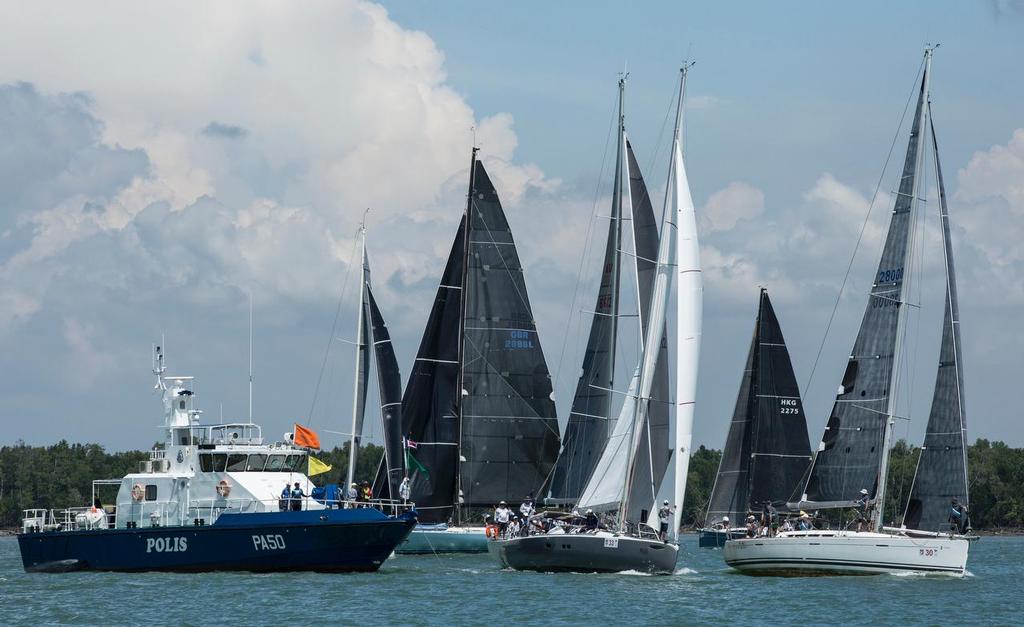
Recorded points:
(224, 488)
(138, 492)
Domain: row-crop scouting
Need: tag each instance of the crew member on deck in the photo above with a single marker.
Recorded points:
(286, 495)
(405, 490)
(665, 514)
(502, 514)
(592, 522)
(297, 496)
(957, 516)
(863, 509)
(527, 509)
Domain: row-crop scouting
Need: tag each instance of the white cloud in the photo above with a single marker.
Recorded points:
(738, 202)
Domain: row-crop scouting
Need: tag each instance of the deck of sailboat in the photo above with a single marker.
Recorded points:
(844, 552)
(600, 552)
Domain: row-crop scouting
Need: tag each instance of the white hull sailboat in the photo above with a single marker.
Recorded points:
(852, 459)
(847, 552)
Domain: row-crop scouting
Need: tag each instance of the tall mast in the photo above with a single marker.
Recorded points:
(616, 218)
(250, 357)
(462, 325)
(901, 318)
(689, 308)
(358, 405)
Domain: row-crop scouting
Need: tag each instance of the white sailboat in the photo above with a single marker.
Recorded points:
(854, 453)
(617, 486)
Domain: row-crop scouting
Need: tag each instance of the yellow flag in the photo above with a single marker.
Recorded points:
(317, 467)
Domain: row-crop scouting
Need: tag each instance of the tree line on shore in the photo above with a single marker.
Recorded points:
(61, 476)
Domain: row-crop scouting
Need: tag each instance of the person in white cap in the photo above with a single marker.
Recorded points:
(665, 515)
(502, 514)
(863, 510)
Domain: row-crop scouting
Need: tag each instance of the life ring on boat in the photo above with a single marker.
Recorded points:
(138, 492)
(491, 531)
(224, 488)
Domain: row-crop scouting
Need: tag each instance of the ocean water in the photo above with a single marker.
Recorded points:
(472, 590)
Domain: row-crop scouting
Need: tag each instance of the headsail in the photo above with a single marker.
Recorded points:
(430, 402)
(509, 435)
(389, 384)
(652, 460)
(942, 468)
(852, 455)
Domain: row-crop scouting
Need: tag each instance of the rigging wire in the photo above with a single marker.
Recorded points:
(586, 244)
(334, 326)
(863, 228)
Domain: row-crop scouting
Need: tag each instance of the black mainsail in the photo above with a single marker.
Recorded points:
(942, 467)
(509, 435)
(767, 450)
(478, 404)
(852, 455)
(389, 385)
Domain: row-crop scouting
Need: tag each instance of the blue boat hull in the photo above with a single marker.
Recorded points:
(324, 541)
(716, 538)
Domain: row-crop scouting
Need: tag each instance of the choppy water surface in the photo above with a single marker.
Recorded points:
(472, 590)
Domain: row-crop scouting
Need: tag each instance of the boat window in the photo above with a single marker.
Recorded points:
(236, 462)
(256, 463)
(276, 463)
(295, 462)
(206, 462)
(150, 492)
(220, 461)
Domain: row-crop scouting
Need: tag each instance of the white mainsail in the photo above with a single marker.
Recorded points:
(689, 310)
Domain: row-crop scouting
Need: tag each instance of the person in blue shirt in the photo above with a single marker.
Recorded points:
(286, 495)
(957, 516)
(297, 496)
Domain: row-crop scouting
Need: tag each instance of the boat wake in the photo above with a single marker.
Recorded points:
(686, 571)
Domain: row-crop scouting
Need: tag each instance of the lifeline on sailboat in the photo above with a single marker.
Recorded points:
(854, 451)
(767, 450)
(478, 404)
(629, 470)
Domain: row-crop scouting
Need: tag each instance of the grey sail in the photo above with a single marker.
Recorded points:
(942, 467)
(430, 402)
(767, 450)
(850, 454)
(389, 384)
(729, 496)
(587, 428)
(653, 459)
(509, 435)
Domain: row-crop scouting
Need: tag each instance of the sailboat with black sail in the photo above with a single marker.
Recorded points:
(478, 417)
(626, 476)
(767, 450)
(853, 456)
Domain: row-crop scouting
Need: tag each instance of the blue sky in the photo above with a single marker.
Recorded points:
(160, 164)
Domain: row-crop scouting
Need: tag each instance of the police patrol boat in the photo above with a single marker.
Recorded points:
(210, 498)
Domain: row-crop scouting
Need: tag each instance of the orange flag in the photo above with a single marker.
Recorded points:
(306, 437)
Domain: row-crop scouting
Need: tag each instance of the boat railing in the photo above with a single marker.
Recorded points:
(206, 511)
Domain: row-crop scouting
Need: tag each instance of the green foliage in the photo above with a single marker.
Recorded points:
(61, 475)
(699, 483)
